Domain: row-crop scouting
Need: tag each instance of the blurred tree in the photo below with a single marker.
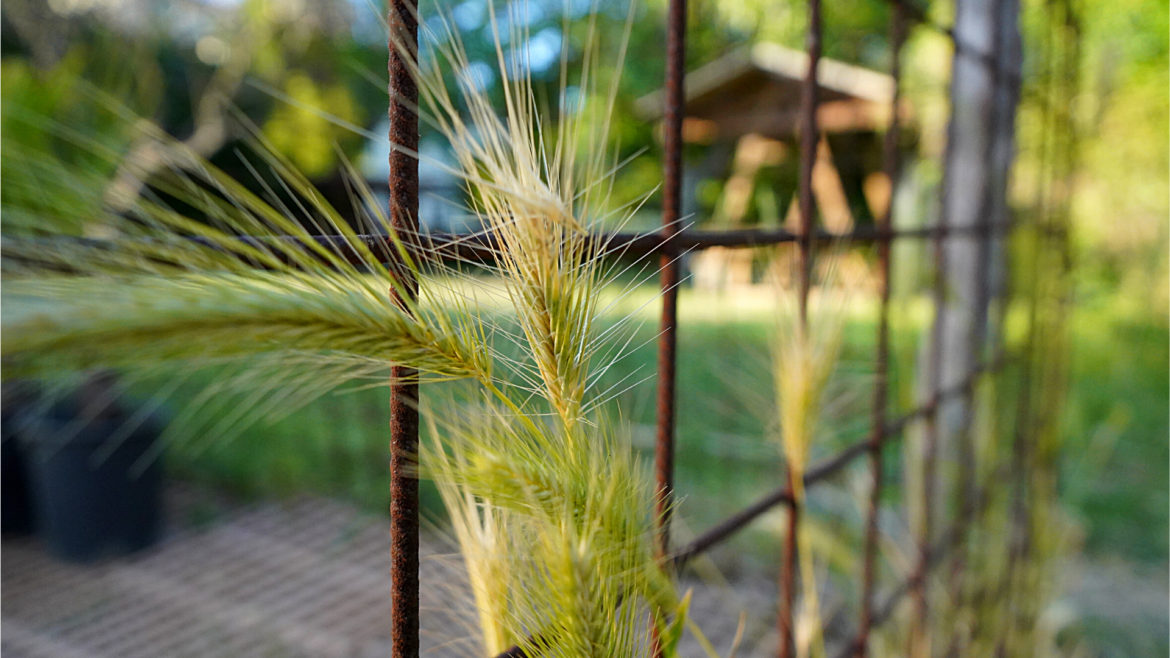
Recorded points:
(288, 65)
(1121, 203)
(84, 68)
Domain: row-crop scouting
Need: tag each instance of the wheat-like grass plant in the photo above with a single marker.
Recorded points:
(479, 527)
(165, 288)
(539, 189)
(581, 568)
(552, 509)
(575, 499)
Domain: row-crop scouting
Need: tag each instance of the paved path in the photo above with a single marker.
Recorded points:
(306, 578)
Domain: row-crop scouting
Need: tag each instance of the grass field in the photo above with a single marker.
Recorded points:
(1114, 479)
(1116, 421)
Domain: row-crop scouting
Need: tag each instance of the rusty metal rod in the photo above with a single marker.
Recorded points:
(669, 272)
(403, 182)
(785, 613)
(919, 631)
(482, 247)
(809, 140)
(882, 352)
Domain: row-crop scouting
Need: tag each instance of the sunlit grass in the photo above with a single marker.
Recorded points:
(337, 445)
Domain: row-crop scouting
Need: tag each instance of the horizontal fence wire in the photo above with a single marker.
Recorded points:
(483, 246)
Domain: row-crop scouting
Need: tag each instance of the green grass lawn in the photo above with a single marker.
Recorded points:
(1116, 423)
(1116, 427)
(1114, 474)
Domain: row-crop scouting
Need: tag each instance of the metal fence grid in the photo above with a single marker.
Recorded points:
(669, 244)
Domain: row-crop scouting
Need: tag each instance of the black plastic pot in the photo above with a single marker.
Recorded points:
(16, 508)
(97, 490)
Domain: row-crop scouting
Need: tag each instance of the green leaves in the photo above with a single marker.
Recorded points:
(670, 636)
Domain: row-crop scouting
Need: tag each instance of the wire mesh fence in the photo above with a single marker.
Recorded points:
(939, 541)
(935, 540)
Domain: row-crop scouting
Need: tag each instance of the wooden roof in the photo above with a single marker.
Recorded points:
(757, 90)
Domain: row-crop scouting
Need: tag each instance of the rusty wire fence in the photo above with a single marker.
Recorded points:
(935, 540)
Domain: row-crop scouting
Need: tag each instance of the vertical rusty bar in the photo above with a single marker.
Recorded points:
(403, 181)
(785, 613)
(671, 206)
(919, 646)
(882, 356)
(919, 631)
(809, 137)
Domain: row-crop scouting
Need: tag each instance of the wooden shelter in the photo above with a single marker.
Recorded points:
(746, 106)
(756, 90)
